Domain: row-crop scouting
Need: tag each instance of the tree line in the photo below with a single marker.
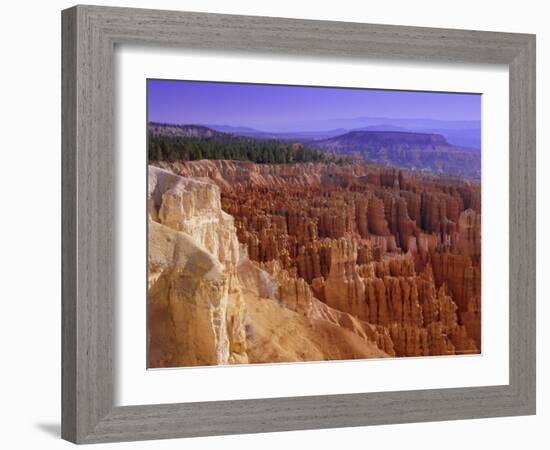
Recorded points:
(170, 148)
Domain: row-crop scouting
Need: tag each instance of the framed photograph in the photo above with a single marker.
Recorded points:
(277, 224)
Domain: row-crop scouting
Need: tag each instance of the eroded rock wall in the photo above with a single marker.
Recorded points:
(397, 250)
(210, 304)
(195, 307)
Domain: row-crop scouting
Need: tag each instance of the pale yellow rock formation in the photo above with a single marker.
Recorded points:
(193, 314)
(279, 334)
(196, 312)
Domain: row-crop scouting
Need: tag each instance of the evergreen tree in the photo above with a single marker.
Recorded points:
(230, 147)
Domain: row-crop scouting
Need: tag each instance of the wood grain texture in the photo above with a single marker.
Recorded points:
(68, 225)
(522, 242)
(89, 37)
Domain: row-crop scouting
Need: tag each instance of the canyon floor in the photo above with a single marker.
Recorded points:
(264, 263)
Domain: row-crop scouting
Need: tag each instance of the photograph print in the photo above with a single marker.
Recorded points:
(292, 224)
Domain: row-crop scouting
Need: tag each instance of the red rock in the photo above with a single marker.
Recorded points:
(396, 250)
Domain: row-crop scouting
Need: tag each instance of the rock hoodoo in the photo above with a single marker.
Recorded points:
(297, 262)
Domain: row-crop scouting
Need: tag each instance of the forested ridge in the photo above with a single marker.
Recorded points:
(231, 147)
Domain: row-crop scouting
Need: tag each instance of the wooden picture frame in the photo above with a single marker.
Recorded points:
(90, 34)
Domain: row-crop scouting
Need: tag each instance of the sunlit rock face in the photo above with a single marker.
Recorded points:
(267, 263)
(208, 304)
(195, 304)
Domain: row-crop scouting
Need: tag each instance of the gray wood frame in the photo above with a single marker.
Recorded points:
(90, 34)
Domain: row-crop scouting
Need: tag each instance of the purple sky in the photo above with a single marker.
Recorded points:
(276, 107)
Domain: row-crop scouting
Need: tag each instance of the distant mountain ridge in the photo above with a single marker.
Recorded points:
(358, 140)
(463, 133)
(297, 135)
(408, 150)
(425, 152)
(169, 142)
(353, 123)
(182, 131)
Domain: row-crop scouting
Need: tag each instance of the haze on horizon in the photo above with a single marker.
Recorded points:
(279, 108)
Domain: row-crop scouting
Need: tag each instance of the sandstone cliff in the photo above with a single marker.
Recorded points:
(208, 304)
(299, 262)
(195, 306)
(397, 250)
